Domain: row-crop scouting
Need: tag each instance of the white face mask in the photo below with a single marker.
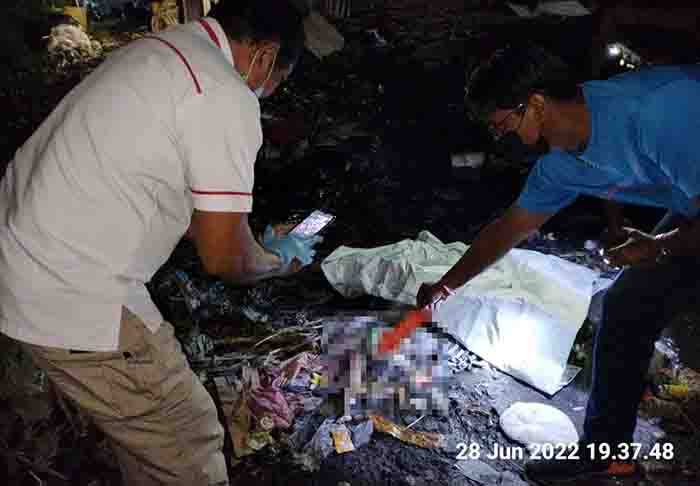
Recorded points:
(260, 90)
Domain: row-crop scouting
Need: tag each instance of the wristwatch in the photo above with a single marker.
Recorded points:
(663, 254)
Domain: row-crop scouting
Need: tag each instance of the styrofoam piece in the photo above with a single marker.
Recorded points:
(537, 424)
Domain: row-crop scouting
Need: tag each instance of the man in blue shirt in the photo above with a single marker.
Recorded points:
(634, 138)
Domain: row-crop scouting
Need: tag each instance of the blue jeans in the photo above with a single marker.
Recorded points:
(637, 307)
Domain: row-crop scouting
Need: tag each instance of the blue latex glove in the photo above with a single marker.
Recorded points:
(291, 246)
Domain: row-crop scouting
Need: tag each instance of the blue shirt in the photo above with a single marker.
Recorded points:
(644, 146)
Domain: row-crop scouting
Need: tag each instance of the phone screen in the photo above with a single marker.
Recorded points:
(313, 223)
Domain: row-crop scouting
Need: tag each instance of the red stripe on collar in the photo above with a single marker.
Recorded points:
(182, 58)
(210, 31)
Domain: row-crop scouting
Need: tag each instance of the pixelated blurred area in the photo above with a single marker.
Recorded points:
(414, 378)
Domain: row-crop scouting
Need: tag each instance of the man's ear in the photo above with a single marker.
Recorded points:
(268, 54)
(538, 103)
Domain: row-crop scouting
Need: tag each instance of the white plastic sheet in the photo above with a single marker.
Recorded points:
(521, 315)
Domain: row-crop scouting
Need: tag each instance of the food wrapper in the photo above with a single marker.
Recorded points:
(426, 440)
(341, 440)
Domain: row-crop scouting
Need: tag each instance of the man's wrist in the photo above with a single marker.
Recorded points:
(445, 287)
(662, 249)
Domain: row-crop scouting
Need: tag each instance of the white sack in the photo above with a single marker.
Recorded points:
(537, 424)
(522, 314)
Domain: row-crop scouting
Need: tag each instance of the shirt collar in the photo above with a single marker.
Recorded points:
(215, 34)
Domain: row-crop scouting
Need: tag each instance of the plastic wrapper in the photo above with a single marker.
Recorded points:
(362, 433)
(341, 439)
(426, 440)
(320, 446)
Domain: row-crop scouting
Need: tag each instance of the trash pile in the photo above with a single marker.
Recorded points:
(69, 44)
(673, 393)
(258, 402)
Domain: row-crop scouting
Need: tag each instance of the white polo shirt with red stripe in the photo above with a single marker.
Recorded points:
(96, 200)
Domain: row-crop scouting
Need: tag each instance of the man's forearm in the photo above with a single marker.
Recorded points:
(492, 243)
(260, 265)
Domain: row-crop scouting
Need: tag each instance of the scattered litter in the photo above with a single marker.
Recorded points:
(471, 160)
(304, 429)
(666, 357)
(426, 440)
(414, 422)
(362, 433)
(322, 39)
(484, 474)
(341, 439)
(537, 424)
(459, 359)
(656, 467)
(674, 392)
(68, 44)
(571, 8)
(376, 38)
(239, 426)
(320, 446)
(196, 345)
(591, 245)
(270, 402)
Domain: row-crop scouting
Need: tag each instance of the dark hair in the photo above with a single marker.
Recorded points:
(263, 20)
(514, 73)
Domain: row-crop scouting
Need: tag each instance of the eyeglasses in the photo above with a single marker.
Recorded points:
(496, 130)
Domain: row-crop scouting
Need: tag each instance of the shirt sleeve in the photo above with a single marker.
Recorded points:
(220, 135)
(547, 189)
(669, 128)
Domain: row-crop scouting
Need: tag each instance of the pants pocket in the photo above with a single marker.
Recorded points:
(136, 382)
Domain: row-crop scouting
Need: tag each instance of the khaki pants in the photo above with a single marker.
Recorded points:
(161, 420)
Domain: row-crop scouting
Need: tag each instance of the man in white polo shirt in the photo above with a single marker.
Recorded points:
(162, 135)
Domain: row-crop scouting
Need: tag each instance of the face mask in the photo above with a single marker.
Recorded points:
(260, 90)
(512, 147)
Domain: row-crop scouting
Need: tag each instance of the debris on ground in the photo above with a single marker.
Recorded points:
(426, 440)
(68, 44)
(322, 39)
(484, 474)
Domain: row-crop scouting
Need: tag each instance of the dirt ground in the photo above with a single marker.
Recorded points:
(366, 134)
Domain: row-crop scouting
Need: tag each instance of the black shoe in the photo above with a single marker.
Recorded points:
(563, 470)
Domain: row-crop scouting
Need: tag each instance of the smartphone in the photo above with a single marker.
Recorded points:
(313, 223)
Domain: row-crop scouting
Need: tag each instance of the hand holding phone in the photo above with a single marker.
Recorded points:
(291, 246)
(313, 224)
